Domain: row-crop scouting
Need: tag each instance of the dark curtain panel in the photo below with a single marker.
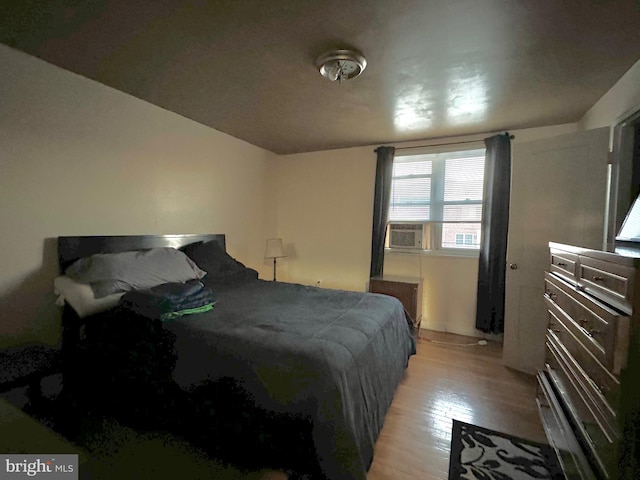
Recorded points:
(493, 243)
(381, 200)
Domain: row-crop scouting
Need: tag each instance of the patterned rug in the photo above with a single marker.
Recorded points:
(481, 454)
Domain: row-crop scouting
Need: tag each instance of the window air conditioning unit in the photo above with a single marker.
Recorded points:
(406, 235)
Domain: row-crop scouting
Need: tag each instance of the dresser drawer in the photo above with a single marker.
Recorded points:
(603, 396)
(605, 387)
(611, 282)
(602, 330)
(560, 433)
(595, 437)
(564, 264)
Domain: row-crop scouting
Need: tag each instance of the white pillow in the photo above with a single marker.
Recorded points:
(81, 298)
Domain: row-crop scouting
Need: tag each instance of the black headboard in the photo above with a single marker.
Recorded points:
(71, 249)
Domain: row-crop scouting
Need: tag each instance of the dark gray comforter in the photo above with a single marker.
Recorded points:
(335, 357)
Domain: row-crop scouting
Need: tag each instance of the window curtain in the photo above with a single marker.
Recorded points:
(494, 229)
(381, 200)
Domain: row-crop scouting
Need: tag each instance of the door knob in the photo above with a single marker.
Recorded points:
(513, 266)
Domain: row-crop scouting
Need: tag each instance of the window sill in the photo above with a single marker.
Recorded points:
(445, 252)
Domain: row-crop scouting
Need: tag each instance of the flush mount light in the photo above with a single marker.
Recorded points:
(341, 64)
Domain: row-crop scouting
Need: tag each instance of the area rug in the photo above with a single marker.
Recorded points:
(481, 454)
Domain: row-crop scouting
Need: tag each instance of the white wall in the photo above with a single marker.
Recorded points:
(325, 204)
(618, 102)
(325, 200)
(79, 158)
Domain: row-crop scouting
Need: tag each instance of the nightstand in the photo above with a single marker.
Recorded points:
(406, 289)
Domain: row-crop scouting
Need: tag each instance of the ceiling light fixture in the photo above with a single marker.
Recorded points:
(341, 64)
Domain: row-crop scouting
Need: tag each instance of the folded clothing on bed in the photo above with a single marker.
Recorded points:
(170, 300)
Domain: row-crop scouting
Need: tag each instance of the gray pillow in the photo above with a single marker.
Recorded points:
(109, 273)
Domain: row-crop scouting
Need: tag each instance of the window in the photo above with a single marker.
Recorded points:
(443, 191)
(465, 239)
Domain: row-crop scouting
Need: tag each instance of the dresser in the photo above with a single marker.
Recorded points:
(589, 388)
(406, 289)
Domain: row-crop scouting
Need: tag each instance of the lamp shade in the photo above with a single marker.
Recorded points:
(274, 248)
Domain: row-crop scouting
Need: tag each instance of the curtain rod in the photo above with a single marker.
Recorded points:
(511, 137)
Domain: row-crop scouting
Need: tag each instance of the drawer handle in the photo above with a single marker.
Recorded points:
(596, 278)
(551, 296)
(561, 264)
(583, 322)
(593, 332)
(554, 328)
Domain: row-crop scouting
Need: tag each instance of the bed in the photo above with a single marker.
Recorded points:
(300, 376)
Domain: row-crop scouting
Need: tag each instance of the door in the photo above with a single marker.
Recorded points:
(558, 194)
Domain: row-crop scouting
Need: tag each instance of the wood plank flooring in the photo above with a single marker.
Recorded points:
(444, 383)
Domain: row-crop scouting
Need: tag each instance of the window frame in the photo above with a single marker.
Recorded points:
(433, 228)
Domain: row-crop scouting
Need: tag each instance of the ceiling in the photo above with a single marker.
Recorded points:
(436, 68)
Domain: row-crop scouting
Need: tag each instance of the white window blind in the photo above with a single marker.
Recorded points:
(411, 189)
(443, 190)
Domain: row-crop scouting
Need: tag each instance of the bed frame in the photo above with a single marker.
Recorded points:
(71, 249)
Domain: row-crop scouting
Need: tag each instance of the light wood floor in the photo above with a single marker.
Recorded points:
(446, 382)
